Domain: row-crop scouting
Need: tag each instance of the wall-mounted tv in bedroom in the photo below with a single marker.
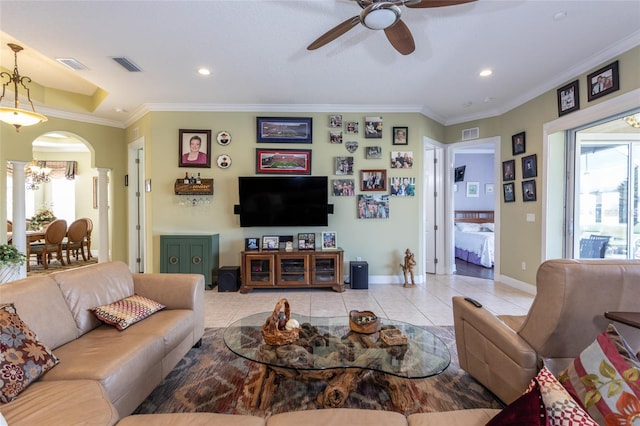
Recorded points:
(283, 200)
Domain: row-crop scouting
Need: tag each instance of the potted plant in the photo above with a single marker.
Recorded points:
(10, 262)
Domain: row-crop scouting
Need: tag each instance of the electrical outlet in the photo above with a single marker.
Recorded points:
(524, 266)
(359, 258)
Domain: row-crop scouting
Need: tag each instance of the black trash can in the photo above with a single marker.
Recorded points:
(359, 275)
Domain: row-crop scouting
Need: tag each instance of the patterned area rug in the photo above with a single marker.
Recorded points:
(55, 266)
(213, 379)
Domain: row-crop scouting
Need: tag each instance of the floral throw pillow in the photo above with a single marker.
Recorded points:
(127, 311)
(605, 378)
(23, 359)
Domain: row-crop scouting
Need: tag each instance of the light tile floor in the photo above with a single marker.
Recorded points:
(426, 304)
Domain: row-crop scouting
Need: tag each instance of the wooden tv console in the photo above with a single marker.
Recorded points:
(290, 269)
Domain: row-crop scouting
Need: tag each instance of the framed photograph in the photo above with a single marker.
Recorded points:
(335, 120)
(251, 244)
(508, 170)
(373, 180)
(529, 166)
(307, 241)
(270, 242)
(284, 129)
(283, 161)
(329, 241)
(373, 206)
(488, 188)
(373, 127)
(401, 136)
(473, 189)
(344, 166)
(351, 146)
(343, 187)
(402, 186)
(373, 152)
(518, 144)
(529, 190)
(335, 136)
(603, 81)
(194, 148)
(508, 191)
(401, 159)
(352, 127)
(458, 174)
(568, 98)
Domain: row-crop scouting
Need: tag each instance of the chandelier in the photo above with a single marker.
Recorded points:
(15, 116)
(39, 175)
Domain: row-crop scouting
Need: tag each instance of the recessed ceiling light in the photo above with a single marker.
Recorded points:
(559, 16)
(486, 72)
(467, 104)
(488, 99)
(204, 71)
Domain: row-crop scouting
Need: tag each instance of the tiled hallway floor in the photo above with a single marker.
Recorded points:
(426, 304)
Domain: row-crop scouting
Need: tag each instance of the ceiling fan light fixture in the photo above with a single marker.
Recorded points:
(380, 16)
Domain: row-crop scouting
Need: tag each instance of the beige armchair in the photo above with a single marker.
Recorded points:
(505, 352)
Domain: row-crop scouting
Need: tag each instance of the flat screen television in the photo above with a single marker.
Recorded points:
(283, 200)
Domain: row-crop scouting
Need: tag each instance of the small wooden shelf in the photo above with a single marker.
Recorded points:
(204, 188)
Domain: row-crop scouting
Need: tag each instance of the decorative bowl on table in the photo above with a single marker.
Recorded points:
(365, 322)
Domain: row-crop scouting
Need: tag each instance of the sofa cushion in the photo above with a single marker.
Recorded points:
(528, 410)
(41, 305)
(605, 378)
(127, 311)
(61, 403)
(94, 285)
(115, 359)
(23, 359)
(191, 419)
(562, 409)
(338, 416)
(470, 417)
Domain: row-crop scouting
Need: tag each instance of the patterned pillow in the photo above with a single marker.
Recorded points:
(528, 410)
(605, 378)
(127, 311)
(562, 409)
(23, 359)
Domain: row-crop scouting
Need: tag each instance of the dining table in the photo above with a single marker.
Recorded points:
(31, 236)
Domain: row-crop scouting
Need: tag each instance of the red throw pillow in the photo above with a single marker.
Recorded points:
(528, 410)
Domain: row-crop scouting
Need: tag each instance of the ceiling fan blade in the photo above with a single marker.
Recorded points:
(334, 32)
(419, 4)
(400, 38)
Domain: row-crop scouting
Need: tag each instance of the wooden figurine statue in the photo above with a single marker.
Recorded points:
(407, 268)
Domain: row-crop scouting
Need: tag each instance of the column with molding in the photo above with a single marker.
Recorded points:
(19, 226)
(103, 214)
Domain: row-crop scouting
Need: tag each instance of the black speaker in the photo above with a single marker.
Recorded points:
(229, 278)
(359, 275)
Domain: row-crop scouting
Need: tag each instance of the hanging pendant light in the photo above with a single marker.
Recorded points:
(15, 116)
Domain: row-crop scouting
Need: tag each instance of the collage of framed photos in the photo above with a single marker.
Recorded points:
(306, 241)
(528, 170)
(372, 187)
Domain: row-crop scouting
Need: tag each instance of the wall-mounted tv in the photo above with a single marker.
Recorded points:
(283, 200)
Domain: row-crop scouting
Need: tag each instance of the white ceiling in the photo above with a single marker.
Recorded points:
(256, 50)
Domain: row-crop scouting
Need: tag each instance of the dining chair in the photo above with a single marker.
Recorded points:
(76, 235)
(53, 236)
(87, 241)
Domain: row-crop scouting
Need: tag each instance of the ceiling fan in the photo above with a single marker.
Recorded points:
(384, 15)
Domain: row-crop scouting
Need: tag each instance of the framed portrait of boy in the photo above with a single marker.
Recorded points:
(251, 244)
(194, 148)
(518, 144)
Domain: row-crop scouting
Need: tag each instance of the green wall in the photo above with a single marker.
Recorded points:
(381, 242)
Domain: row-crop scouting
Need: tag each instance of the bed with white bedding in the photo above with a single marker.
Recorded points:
(474, 237)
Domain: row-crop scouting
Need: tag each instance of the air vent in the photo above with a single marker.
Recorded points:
(473, 133)
(72, 63)
(127, 64)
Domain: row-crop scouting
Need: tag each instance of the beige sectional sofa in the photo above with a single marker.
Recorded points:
(103, 374)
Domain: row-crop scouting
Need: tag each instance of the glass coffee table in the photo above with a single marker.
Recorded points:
(328, 350)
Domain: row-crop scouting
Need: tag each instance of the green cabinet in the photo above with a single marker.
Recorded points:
(191, 254)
